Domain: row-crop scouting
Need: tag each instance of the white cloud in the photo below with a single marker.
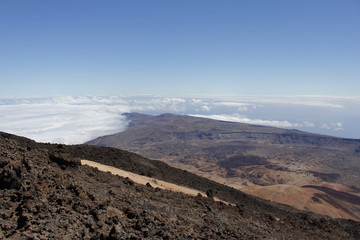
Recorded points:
(337, 126)
(231, 104)
(205, 108)
(72, 120)
(157, 103)
(62, 120)
(312, 101)
(240, 106)
(318, 104)
(197, 101)
(239, 118)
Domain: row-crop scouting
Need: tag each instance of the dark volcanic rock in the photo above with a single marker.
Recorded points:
(357, 150)
(328, 177)
(46, 194)
(241, 161)
(64, 159)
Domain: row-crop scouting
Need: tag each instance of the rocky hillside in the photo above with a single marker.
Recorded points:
(308, 171)
(47, 194)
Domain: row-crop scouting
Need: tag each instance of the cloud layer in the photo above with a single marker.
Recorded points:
(73, 120)
(61, 120)
(242, 119)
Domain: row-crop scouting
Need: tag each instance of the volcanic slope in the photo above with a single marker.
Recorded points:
(47, 194)
(308, 171)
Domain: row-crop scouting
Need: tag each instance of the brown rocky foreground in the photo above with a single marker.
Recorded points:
(47, 194)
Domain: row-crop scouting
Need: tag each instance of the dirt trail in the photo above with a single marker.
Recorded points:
(144, 180)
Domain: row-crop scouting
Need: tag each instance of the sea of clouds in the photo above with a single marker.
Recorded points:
(73, 120)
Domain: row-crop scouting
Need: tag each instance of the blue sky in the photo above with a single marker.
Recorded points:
(179, 47)
(70, 68)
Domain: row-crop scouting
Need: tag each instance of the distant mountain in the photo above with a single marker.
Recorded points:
(47, 194)
(305, 170)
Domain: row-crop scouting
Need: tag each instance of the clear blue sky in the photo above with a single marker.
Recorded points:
(74, 47)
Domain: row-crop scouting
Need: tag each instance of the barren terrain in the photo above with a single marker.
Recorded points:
(47, 194)
(144, 180)
(272, 163)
